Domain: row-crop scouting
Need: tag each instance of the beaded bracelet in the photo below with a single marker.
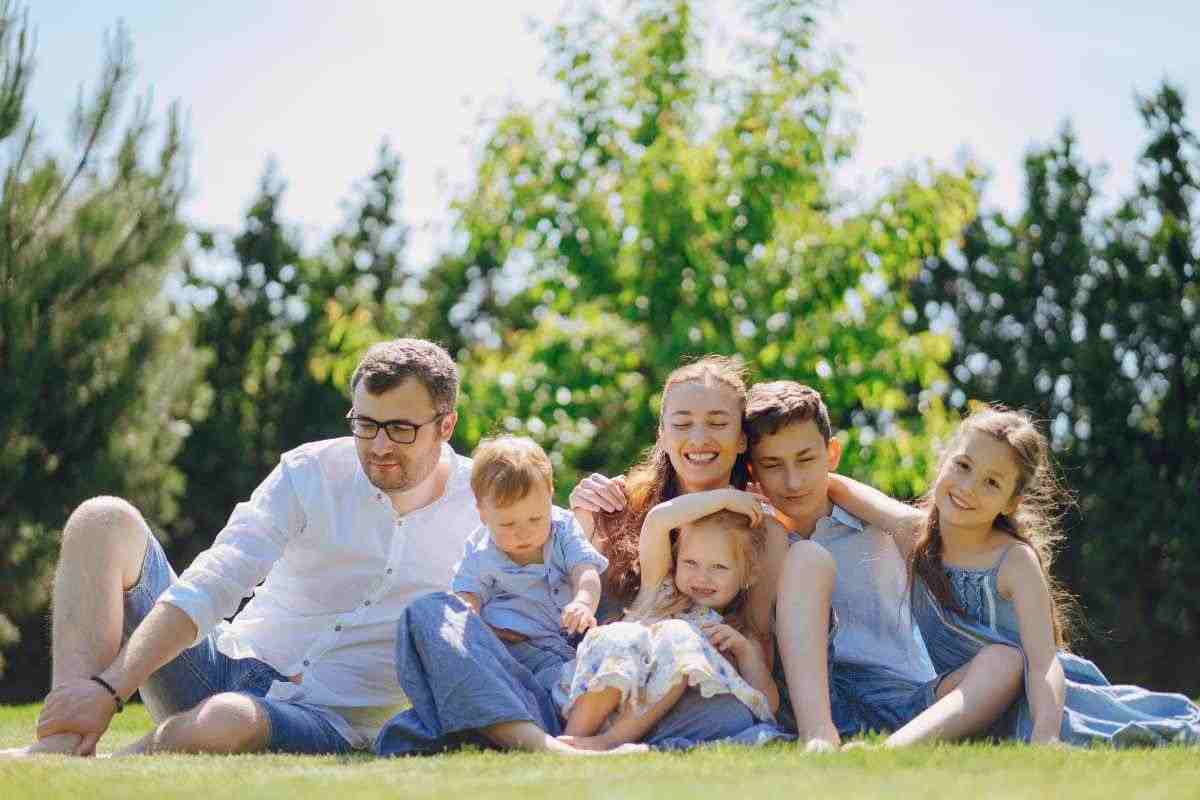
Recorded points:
(116, 697)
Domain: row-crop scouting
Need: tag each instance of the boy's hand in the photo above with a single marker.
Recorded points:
(578, 617)
(726, 639)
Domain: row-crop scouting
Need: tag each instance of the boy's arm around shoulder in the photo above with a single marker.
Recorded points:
(877, 509)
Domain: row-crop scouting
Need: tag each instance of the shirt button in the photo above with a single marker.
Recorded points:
(306, 662)
(337, 627)
(366, 602)
(389, 572)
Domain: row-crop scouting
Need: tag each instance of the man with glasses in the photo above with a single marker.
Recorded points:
(342, 534)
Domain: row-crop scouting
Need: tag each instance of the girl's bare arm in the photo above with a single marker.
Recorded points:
(1021, 579)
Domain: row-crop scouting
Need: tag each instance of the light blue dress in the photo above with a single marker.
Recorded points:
(1095, 711)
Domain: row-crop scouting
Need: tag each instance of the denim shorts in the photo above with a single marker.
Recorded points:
(202, 671)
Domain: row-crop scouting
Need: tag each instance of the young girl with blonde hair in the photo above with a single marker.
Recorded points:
(689, 626)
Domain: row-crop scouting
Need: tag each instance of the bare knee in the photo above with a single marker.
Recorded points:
(1004, 665)
(807, 567)
(224, 723)
(108, 525)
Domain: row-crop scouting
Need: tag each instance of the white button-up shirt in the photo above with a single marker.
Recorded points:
(339, 568)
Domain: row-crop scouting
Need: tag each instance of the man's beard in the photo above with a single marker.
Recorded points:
(404, 476)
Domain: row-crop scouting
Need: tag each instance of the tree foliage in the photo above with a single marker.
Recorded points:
(1088, 318)
(99, 380)
(662, 210)
(283, 327)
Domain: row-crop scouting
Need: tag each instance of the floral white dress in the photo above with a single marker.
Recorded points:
(645, 659)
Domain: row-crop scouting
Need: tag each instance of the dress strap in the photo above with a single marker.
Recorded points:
(1004, 555)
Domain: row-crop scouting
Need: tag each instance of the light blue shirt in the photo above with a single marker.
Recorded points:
(529, 599)
(875, 626)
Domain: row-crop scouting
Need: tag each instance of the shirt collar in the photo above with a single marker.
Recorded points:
(839, 514)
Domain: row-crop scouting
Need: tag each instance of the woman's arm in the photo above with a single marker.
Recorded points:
(876, 508)
(1021, 579)
(752, 666)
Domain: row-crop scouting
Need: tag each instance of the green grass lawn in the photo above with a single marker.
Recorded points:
(974, 772)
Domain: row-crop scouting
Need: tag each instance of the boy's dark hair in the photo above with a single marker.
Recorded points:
(777, 404)
(387, 364)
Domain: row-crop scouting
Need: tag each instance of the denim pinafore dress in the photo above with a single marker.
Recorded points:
(1095, 711)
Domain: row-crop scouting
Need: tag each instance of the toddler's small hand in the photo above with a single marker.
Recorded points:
(725, 638)
(577, 617)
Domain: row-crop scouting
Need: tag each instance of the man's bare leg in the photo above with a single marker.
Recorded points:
(103, 546)
(630, 727)
(224, 723)
(969, 699)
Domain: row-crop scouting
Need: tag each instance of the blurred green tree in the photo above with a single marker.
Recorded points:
(100, 382)
(660, 210)
(282, 327)
(1088, 319)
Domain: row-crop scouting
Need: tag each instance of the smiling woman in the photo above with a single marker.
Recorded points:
(700, 446)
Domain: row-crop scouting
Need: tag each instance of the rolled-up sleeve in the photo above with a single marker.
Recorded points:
(242, 554)
(575, 547)
(470, 574)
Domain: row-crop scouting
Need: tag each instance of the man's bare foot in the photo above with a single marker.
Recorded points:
(61, 745)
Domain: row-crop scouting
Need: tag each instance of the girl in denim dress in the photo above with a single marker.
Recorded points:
(993, 620)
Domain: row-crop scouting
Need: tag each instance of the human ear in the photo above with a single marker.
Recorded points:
(446, 428)
(833, 451)
(1011, 508)
(742, 442)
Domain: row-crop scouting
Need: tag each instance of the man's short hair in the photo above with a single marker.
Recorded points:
(505, 468)
(388, 364)
(777, 404)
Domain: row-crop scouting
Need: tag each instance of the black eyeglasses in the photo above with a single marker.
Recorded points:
(398, 430)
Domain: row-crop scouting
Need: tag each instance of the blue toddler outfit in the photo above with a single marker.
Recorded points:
(529, 599)
(1095, 711)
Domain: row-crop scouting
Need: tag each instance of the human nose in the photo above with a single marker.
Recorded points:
(381, 443)
(792, 478)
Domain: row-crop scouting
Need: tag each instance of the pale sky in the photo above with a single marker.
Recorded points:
(318, 85)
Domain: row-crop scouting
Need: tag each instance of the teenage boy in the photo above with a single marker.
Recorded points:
(879, 662)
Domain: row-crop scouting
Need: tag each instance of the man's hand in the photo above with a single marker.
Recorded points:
(82, 707)
(578, 617)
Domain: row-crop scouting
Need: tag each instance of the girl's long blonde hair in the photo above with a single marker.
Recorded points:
(749, 548)
(653, 481)
(1042, 501)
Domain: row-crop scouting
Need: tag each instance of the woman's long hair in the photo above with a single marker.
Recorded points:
(1042, 501)
(653, 481)
(749, 548)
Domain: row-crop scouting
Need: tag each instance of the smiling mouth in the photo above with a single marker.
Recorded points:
(700, 458)
(959, 504)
